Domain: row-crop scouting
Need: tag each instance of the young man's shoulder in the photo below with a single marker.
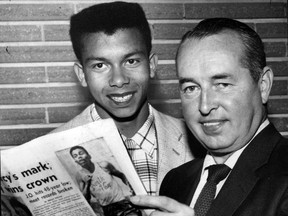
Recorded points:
(85, 117)
(81, 119)
(160, 116)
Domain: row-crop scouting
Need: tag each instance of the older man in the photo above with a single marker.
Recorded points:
(225, 85)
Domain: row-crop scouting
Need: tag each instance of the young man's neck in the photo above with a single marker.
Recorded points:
(129, 126)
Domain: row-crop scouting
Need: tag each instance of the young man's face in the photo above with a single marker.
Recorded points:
(117, 69)
(222, 104)
(81, 157)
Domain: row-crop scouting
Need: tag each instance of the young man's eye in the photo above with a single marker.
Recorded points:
(98, 65)
(132, 61)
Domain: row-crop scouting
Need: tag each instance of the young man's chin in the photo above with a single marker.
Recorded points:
(124, 116)
(125, 113)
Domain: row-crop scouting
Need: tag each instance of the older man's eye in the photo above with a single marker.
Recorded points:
(189, 89)
(223, 85)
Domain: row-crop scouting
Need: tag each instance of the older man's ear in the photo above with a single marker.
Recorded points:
(265, 83)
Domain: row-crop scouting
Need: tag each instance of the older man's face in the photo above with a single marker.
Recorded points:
(222, 105)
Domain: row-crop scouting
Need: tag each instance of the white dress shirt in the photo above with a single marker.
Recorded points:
(230, 162)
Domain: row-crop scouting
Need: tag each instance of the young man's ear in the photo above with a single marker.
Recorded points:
(265, 82)
(80, 74)
(153, 61)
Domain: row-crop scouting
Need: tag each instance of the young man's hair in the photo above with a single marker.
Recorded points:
(108, 18)
(253, 56)
(78, 147)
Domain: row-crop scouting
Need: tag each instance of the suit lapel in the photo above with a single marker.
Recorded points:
(236, 188)
(192, 180)
(245, 173)
(170, 144)
(170, 155)
(182, 182)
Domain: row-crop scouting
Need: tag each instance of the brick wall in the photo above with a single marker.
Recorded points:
(38, 90)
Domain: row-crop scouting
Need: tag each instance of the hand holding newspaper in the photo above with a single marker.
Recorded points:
(81, 171)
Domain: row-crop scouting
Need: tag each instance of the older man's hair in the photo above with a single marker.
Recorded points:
(253, 56)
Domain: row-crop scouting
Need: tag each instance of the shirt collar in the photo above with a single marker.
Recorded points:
(145, 138)
(94, 114)
(231, 161)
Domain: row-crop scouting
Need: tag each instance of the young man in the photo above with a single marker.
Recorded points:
(225, 85)
(112, 42)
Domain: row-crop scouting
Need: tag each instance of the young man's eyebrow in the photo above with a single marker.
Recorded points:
(94, 59)
(134, 53)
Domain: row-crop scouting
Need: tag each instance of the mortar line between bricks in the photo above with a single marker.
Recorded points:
(65, 64)
(164, 101)
(195, 21)
(46, 116)
(39, 85)
(72, 84)
(277, 97)
(276, 59)
(68, 43)
(151, 21)
(34, 22)
(4, 147)
(35, 126)
(139, 1)
(173, 81)
(278, 115)
(36, 43)
(36, 64)
(281, 78)
(29, 126)
(66, 105)
(68, 84)
(58, 64)
(46, 105)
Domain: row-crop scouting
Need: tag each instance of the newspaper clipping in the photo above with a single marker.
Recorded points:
(81, 171)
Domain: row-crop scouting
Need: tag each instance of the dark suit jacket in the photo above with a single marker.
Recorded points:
(257, 185)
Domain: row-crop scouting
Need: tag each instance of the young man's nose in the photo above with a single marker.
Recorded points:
(118, 77)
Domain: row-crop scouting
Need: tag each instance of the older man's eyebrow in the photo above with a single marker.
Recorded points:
(221, 76)
(185, 80)
(215, 77)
